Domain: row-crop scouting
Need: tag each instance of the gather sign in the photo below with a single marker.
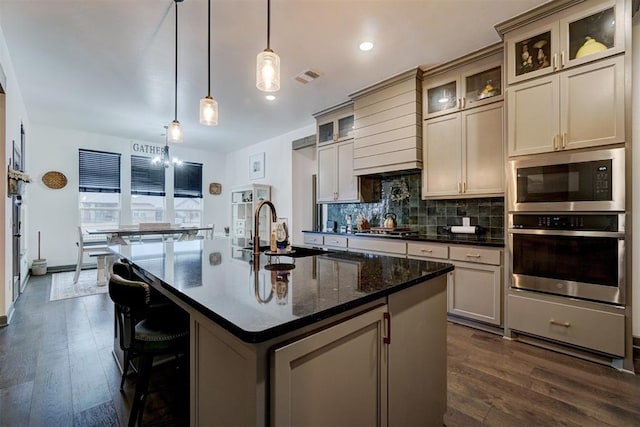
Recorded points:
(150, 149)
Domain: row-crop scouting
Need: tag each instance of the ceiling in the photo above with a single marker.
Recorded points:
(107, 66)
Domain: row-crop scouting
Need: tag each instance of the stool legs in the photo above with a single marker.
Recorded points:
(142, 384)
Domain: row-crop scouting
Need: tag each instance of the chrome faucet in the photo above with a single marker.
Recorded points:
(256, 224)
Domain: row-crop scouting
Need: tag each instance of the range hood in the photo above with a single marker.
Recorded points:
(388, 126)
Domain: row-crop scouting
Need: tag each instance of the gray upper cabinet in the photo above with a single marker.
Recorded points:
(463, 144)
(566, 74)
(388, 125)
(337, 182)
(335, 124)
(460, 88)
(572, 36)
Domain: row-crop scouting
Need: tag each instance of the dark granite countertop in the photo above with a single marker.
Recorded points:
(260, 305)
(461, 239)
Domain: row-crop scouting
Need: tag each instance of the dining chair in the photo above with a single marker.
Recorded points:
(144, 332)
(94, 248)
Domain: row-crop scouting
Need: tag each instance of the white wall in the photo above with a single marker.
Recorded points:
(55, 212)
(304, 166)
(278, 170)
(13, 113)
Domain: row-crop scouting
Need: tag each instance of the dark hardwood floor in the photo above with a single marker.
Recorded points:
(56, 369)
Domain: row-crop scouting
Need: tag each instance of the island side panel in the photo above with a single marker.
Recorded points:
(418, 354)
(224, 378)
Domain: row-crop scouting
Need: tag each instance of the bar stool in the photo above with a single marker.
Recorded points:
(144, 332)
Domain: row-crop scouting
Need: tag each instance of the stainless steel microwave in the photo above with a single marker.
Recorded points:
(561, 182)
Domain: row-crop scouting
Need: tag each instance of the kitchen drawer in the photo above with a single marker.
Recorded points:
(427, 250)
(386, 245)
(335, 241)
(474, 254)
(585, 327)
(313, 239)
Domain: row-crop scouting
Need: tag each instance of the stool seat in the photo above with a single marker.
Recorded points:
(159, 334)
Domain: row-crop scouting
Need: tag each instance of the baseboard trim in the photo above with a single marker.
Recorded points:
(477, 325)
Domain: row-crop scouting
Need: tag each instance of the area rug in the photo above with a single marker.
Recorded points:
(62, 286)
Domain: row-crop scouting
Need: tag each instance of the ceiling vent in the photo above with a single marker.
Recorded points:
(307, 76)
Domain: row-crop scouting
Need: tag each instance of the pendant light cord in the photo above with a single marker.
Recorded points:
(268, 24)
(175, 93)
(209, 49)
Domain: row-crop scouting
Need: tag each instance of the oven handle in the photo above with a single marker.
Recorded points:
(573, 233)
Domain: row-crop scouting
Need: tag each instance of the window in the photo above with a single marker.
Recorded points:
(99, 189)
(147, 190)
(187, 202)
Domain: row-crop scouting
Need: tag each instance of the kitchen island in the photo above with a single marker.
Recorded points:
(322, 339)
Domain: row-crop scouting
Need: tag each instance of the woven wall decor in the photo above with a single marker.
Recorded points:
(55, 180)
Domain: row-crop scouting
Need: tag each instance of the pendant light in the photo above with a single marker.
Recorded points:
(208, 105)
(268, 66)
(174, 130)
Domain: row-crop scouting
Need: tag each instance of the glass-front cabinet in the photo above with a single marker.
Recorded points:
(464, 87)
(244, 201)
(586, 32)
(336, 126)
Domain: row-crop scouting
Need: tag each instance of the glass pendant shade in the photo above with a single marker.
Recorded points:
(174, 132)
(268, 71)
(208, 111)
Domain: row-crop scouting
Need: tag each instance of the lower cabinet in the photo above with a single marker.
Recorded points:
(475, 292)
(385, 366)
(588, 325)
(475, 286)
(316, 379)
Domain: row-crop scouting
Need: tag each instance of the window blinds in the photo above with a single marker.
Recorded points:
(187, 180)
(147, 178)
(99, 172)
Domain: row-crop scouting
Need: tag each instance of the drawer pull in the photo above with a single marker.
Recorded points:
(334, 241)
(474, 255)
(426, 250)
(563, 324)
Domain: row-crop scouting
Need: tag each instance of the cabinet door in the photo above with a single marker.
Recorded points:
(592, 104)
(337, 376)
(442, 95)
(476, 292)
(325, 132)
(482, 143)
(482, 82)
(534, 118)
(442, 152)
(592, 33)
(347, 182)
(532, 51)
(345, 127)
(327, 171)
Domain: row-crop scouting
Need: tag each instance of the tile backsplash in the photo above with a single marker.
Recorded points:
(401, 195)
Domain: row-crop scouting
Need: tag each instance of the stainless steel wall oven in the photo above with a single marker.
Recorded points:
(577, 255)
(566, 224)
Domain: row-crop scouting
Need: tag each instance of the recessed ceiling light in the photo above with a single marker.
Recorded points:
(366, 46)
(270, 97)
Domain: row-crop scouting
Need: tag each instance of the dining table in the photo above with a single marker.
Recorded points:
(124, 234)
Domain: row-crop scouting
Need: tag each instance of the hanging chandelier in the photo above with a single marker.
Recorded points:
(174, 131)
(165, 159)
(208, 105)
(268, 64)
